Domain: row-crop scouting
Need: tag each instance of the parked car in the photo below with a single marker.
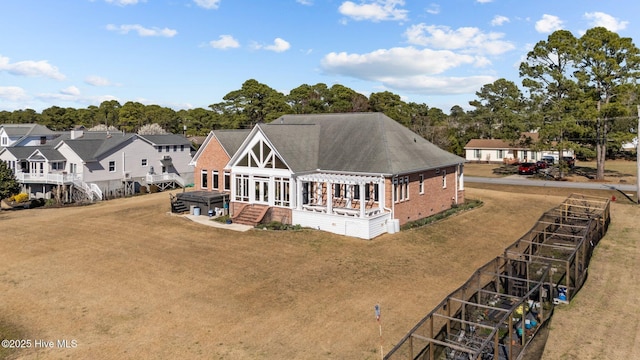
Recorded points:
(548, 159)
(571, 162)
(527, 168)
(541, 164)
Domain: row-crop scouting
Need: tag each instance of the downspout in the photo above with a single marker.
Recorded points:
(393, 195)
(456, 188)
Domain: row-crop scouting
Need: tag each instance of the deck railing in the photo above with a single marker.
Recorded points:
(49, 178)
(160, 178)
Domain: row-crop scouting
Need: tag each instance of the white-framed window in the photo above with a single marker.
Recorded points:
(73, 168)
(204, 181)
(282, 197)
(4, 141)
(401, 189)
(175, 148)
(371, 192)
(406, 188)
(477, 153)
(159, 149)
(166, 148)
(143, 162)
(216, 179)
(337, 191)
(444, 179)
(500, 154)
(112, 166)
(421, 184)
(242, 188)
(181, 147)
(227, 181)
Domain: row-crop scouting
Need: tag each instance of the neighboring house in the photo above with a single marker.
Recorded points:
(357, 174)
(212, 157)
(25, 135)
(498, 151)
(82, 165)
(502, 151)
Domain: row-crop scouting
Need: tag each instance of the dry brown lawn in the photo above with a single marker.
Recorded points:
(127, 280)
(616, 171)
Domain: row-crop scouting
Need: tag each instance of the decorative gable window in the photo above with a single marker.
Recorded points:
(112, 166)
(262, 156)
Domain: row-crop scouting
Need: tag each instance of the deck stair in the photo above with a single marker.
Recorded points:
(178, 206)
(251, 215)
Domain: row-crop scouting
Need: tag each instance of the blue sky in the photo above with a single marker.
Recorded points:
(190, 53)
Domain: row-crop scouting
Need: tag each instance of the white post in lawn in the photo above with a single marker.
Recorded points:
(377, 310)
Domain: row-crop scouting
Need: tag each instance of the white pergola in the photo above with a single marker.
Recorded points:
(350, 181)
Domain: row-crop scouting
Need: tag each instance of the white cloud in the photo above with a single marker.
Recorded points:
(13, 93)
(375, 10)
(484, 1)
(31, 68)
(407, 69)
(499, 20)
(466, 39)
(548, 24)
(605, 20)
(279, 45)
(431, 85)
(433, 9)
(305, 2)
(207, 4)
(142, 31)
(71, 91)
(395, 62)
(96, 80)
(124, 2)
(224, 42)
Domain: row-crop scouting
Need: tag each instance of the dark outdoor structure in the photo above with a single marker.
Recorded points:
(500, 309)
(200, 202)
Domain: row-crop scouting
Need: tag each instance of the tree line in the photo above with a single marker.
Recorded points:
(578, 93)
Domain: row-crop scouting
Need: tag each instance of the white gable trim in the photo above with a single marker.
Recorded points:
(204, 145)
(255, 137)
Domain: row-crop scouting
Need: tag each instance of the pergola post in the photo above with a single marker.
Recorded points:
(329, 197)
(298, 199)
(362, 199)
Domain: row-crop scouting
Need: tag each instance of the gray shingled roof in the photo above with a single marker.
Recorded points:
(166, 139)
(353, 142)
(22, 152)
(52, 154)
(26, 129)
(231, 140)
(85, 148)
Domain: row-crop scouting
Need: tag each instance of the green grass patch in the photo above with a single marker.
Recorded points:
(455, 209)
